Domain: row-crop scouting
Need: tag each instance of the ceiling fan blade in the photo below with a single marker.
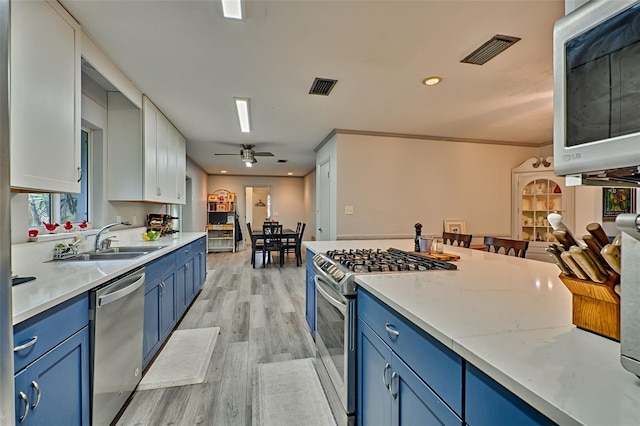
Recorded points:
(226, 154)
(263, 154)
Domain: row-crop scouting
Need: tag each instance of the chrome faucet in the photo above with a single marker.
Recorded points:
(98, 246)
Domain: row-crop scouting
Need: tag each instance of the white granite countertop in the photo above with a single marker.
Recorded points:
(57, 282)
(511, 318)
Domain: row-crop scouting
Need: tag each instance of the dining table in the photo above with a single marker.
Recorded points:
(287, 234)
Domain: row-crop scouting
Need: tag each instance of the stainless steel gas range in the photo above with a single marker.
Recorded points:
(336, 315)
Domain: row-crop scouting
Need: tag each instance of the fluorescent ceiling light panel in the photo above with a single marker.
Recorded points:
(242, 106)
(232, 9)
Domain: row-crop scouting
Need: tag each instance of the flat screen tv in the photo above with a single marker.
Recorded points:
(218, 218)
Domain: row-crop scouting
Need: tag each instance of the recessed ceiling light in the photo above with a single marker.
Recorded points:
(432, 81)
(242, 106)
(232, 9)
(290, 173)
(223, 171)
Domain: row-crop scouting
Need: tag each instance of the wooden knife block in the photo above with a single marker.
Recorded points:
(596, 307)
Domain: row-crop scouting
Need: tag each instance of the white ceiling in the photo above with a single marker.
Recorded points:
(192, 62)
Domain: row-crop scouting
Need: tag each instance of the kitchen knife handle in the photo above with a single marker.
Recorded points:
(565, 238)
(578, 254)
(558, 261)
(598, 233)
(611, 254)
(593, 244)
(575, 268)
(595, 258)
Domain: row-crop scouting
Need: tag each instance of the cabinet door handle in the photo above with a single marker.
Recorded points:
(37, 388)
(391, 330)
(26, 406)
(80, 174)
(30, 343)
(384, 375)
(161, 289)
(393, 394)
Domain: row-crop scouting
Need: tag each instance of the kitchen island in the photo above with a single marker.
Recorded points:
(511, 319)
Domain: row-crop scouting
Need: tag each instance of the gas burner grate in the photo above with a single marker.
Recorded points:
(391, 260)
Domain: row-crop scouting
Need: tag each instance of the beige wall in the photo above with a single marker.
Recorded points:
(310, 205)
(392, 183)
(287, 196)
(195, 211)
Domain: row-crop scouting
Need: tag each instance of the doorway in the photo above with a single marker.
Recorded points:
(258, 205)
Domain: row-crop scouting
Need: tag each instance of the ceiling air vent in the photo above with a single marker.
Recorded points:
(322, 86)
(490, 49)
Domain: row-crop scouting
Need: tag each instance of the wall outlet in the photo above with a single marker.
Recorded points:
(134, 220)
(348, 209)
(118, 218)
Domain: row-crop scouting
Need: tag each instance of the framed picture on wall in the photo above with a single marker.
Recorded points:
(456, 226)
(616, 201)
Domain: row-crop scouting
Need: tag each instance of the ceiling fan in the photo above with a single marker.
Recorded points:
(248, 154)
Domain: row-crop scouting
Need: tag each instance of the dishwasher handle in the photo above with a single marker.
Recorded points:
(123, 292)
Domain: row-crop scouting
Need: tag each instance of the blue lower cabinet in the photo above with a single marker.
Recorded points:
(151, 329)
(390, 392)
(489, 403)
(374, 399)
(167, 304)
(172, 283)
(159, 314)
(181, 288)
(185, 286)
(310, 311)
(54, 389)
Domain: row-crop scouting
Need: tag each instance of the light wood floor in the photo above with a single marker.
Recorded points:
(261, 316)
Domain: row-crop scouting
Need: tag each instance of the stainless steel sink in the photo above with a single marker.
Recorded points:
(114, 253)
(133, 249)
(80, 257)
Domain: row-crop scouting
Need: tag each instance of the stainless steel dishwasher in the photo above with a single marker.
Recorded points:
(116, 319)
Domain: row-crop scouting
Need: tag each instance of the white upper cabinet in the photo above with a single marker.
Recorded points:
(181, 168)
(45, 98)
(146, 153)
(164, 160)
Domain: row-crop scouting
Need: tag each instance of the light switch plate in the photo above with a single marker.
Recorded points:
(348, 209)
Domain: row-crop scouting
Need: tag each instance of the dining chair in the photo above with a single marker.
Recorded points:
(463, 240)
(290, 243)
(518, 247)
(272, 236)
(257, 245)
(296, 244)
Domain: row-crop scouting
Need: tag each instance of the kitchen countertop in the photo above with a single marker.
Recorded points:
(511, 318)
(57, 282)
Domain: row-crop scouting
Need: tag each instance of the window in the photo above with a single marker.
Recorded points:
(64, 207)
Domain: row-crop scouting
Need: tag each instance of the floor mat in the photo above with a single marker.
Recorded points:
(289, 393)
(184, 359)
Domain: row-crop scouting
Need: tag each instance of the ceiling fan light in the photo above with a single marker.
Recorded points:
(248, 163)
(232, 9)
(242, 107)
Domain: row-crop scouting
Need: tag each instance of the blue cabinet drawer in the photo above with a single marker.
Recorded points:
(155, 268)
(185, 252)
(433, 362)
(200, 245)
(489, 403)
(49, 329)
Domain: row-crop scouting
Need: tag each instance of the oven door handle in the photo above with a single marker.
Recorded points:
(342, 307)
